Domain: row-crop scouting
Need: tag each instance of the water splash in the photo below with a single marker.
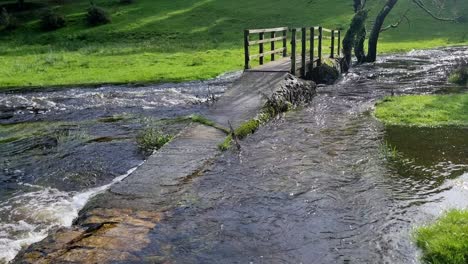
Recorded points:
(27, 218)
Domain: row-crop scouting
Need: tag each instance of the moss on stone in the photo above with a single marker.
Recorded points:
(247, 128)
(207, 122)
(226, 144)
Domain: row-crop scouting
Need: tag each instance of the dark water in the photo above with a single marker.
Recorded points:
(61, 147)
(327, 183)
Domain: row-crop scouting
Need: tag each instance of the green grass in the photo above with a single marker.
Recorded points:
(446, 241)
(424, 110)
(152, 139)
(167, 40)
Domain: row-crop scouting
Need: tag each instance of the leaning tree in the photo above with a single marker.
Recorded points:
(357, 32)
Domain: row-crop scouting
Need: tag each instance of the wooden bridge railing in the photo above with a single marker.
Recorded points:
(261, 43)
(311, 40)
(309, 37)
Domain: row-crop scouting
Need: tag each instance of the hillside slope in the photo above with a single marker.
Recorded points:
(178, 40)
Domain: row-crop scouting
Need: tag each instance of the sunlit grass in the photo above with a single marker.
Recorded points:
(446, 241)
(166, 40)
(424, 110)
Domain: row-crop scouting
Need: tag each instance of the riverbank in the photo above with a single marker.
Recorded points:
(444, 241)
(424, 110)
(171, 41)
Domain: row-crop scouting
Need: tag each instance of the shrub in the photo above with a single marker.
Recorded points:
(126, 2)
(51, 20)
(97, 16)
(460, 75)
(152, 139)
(7, 21)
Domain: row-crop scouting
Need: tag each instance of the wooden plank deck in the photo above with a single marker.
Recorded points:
(280, 65)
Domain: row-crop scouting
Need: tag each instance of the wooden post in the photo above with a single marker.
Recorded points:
(319, 61)
(293, 51)
(261, 49)
(285, 43)
(304, 52)
(332, 48)
(273, 35)
(312, 47)
(246, 49)
(339, 43)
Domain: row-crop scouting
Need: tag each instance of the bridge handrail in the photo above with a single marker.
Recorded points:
(267, 30)
(261, 42)
(309, 35)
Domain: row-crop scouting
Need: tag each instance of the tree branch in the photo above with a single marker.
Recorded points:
(396, 24)
(421, 5)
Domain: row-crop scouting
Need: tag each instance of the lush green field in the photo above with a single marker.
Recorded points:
(424, 110)
(178, 40)
(446, 241)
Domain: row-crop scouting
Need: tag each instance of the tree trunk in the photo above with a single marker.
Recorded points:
(359, 51)
(355, 30)
(375, 33)
(357, 5)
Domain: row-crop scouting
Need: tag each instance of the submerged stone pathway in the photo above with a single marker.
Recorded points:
(115, 224)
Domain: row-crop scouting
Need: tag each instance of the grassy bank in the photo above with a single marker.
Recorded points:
(424, 110)
(167, 40)
(446, 241)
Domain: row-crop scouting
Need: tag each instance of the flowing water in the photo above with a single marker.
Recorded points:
(327, 183)
(61, 147)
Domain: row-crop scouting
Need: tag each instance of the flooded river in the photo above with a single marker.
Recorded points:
(326, 183)
(61, 147)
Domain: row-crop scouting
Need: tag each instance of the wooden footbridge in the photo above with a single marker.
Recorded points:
(311, 41)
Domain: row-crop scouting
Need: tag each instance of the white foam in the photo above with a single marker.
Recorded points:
(30, 216)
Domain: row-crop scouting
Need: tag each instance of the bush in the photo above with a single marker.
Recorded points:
(460, 75)
(7, 21)
(126, 2)
(152, 139)
(51, 20)
(97, 16)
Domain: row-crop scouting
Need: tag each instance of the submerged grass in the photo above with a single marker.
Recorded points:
(388, 151)
(152, 139)
(446, 241)
(167, 40)
(424, 110)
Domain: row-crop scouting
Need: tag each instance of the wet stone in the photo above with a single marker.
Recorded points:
(82, 255)
(112, 235)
